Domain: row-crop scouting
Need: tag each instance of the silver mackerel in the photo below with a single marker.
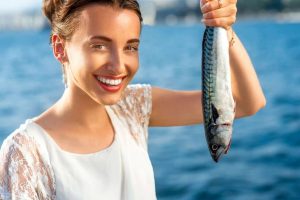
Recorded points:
(218, 102)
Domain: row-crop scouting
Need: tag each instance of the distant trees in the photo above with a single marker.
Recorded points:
(276, 5)
(292, 4)
(250, 6)
(183, 9)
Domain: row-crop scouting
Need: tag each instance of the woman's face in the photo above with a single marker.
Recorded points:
(102, 55)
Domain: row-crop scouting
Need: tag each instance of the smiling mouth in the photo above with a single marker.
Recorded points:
(110, 84)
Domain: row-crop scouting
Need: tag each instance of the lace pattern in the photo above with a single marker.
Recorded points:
(24, 175)
(135, 110)
(25, 169)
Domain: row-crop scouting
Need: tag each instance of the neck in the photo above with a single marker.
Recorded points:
(76, 106)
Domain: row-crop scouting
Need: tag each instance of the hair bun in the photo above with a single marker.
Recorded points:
(50, 7)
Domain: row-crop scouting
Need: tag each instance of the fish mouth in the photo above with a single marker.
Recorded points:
(216, 156)
(219, 152)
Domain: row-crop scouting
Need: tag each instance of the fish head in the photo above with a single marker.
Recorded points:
(220, 140)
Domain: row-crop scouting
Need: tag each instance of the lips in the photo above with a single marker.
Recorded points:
(110, 83)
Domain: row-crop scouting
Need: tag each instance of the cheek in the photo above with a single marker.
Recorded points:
(94, 60)
(76, 58)
(81, 61)
(133, 64)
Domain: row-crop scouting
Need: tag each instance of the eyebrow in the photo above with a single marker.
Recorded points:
(107, 39)
(133, 41)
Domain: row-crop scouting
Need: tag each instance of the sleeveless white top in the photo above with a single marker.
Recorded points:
(33, 166)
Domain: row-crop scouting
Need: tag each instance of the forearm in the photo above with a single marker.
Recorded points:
(246, 88)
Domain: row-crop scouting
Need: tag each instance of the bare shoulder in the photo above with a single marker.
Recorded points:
(45, 119)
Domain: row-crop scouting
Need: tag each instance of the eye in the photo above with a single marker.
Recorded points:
(131, 48)
(99, 46)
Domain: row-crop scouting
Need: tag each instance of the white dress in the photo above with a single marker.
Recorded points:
(33, 166)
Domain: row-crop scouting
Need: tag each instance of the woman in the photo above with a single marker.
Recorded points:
(92, 143)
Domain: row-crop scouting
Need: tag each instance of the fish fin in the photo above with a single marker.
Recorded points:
(215, 114)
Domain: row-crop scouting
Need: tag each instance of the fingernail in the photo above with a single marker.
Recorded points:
(201, 2)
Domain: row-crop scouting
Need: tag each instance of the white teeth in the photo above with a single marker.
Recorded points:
(107, 81)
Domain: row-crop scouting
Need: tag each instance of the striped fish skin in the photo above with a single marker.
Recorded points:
(217, 99)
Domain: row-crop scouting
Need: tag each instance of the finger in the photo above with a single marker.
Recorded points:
(228, 11)
(202, 2)
(224, 22)
(214, 5)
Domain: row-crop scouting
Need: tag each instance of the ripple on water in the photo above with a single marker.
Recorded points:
(287, 101)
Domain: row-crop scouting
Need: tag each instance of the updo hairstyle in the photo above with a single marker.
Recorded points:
(63, 15)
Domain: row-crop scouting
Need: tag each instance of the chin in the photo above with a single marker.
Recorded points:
(109, 99)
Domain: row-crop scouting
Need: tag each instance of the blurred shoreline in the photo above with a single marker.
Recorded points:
(285, 17)
(34, 20)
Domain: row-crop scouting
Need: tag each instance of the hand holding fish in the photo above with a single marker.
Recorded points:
(229, 83)
(219, 13)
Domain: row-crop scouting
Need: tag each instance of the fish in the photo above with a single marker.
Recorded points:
(217, 98)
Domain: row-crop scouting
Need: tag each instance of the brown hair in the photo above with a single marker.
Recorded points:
(63, 15)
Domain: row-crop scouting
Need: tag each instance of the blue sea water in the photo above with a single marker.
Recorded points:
(264, 160)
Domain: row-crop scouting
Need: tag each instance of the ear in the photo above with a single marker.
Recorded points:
(58, 46)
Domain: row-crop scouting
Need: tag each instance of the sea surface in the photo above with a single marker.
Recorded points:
(264, 160)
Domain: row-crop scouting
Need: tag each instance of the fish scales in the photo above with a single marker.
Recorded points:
(208, 73)
(218, 103)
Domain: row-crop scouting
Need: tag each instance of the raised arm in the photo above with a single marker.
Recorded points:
(247, 91)
(177, 108)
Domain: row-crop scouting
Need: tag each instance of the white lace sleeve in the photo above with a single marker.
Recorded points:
(23, 172)
(135, 109)
(139, 102)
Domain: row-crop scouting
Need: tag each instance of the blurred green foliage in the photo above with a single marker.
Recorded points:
(247, 6)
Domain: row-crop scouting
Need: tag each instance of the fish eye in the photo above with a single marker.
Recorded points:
(214, 147)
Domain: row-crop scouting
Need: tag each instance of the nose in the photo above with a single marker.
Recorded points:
(116, 62)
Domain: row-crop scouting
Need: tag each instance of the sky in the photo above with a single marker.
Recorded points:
(18, 5)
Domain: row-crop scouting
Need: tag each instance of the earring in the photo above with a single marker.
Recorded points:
(64, 76)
